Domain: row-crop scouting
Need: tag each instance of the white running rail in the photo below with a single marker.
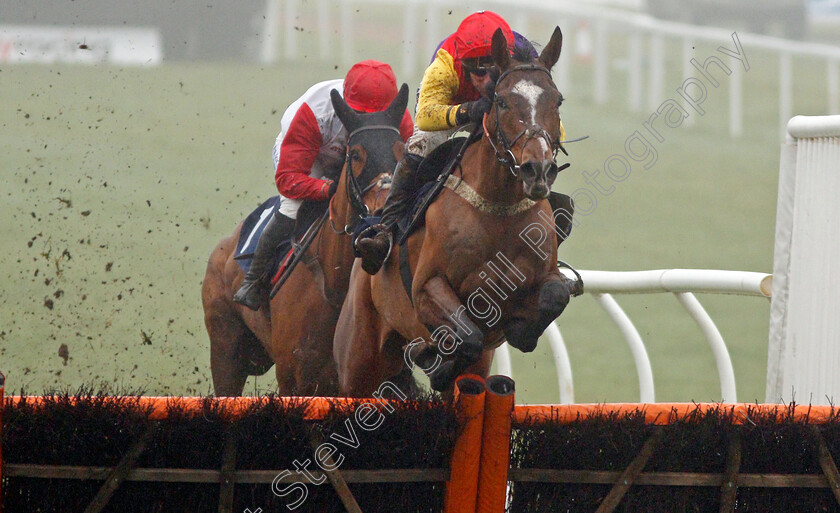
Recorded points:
(683, 283)
(339, 25)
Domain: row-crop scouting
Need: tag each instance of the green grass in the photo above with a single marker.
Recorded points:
(117, 183)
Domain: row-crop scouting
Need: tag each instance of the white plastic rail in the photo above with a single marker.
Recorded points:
(683, 283)
(423, 29)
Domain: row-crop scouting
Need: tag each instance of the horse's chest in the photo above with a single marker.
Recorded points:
(493, 256)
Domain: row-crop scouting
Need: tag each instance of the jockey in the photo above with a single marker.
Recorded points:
(453, 93)
(308, 156)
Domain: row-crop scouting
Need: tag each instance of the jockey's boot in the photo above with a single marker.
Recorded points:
(375, 249)
(250, 293)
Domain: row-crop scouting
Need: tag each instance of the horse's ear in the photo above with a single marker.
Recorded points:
(499, 50)
(396, 110)
(349, 118)
(551, 52)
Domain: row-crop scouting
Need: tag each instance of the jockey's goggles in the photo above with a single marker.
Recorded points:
(478, 67)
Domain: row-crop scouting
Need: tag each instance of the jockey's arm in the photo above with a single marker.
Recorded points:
(298, 151)
(439, 86)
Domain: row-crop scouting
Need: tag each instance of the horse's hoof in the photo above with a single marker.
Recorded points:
(472, 344)
(443, 378)
(470, 351)
(526, 345)
(519, 336)
(554, 297)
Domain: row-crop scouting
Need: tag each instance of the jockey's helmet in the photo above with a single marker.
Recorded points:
(370, 86)
(474, 37)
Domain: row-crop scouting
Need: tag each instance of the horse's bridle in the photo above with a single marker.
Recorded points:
(355, 193)
(506, 157)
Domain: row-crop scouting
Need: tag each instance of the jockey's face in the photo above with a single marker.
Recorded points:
(480, 82)
(478, 71)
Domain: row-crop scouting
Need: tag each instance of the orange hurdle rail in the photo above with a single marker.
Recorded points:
(316, 407)
(666, 413)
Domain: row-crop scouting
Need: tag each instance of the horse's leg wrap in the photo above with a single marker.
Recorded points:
(251, 292)
(375, 250)
(554, 296)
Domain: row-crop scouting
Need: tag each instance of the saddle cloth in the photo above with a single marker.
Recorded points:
(252, 228)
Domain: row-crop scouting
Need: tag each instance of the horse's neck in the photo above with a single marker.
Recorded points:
(335, 249)
(483, 172)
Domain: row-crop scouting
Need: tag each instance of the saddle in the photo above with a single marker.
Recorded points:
(254, 224)
(427, 173)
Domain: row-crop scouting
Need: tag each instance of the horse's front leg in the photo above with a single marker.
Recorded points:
(456, 342)
(523, 332)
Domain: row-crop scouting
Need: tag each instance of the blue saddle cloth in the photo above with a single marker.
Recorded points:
(249, 235)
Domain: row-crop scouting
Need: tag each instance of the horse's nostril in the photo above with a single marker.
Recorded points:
(551, 174)
(529, 169)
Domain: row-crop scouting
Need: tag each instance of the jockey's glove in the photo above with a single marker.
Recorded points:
(473, 112)
(333, 187)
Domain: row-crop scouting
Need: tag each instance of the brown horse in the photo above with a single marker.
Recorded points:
(479, 274)
(294, 331)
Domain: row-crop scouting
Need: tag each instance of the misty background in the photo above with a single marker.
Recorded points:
(135, 135)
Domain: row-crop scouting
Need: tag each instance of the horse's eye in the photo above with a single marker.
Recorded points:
(501, 102)
(355, 156)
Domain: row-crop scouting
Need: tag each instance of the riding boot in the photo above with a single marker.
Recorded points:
(375, 249)
(278, 229)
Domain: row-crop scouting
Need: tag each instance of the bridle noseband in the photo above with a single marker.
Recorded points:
(506, 156)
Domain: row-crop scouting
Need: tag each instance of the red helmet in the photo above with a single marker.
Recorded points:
(370, 86)
(474, 37)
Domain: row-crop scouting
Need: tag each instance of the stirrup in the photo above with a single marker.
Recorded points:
(390, 248)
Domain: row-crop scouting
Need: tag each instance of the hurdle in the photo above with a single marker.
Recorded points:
(495, 456)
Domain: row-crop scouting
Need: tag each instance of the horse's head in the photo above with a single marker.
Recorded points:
(374, 146)
(524, 123)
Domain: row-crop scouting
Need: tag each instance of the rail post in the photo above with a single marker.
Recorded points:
(461, 490)
(495, 445)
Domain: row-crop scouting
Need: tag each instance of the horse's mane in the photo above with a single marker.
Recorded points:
(524, 51)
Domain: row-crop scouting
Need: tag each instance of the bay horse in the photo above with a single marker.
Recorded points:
(294, 331)
(474, 278)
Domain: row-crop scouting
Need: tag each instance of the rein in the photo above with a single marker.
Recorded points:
(355, 194)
